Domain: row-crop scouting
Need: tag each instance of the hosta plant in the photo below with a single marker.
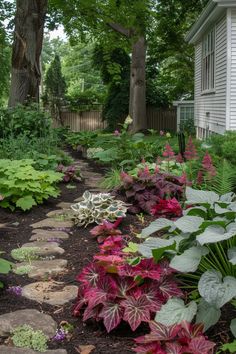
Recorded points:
(22, 186)
(111, 290)
(176, 339)
(145, 191)
(94, 208)
(201, 245)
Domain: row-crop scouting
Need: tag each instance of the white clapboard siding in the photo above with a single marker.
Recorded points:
(210, 110)
(233, 72)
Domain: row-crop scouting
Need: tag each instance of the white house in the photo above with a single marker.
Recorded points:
(214, 37)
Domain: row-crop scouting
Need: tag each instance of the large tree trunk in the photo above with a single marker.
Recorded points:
(137, 101)
(27, 46)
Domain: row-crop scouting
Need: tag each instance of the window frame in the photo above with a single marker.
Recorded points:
(208, 62)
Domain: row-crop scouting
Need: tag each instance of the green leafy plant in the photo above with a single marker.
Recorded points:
(27, 337)
(5, 267)
(94, 208)
(25, 254)
(23, 187)
(112, 179)
(24, 269)
(230, 347)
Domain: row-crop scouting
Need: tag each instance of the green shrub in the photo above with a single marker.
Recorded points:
(23, 187)
(5, 267)
(26, 120)
(224, 146)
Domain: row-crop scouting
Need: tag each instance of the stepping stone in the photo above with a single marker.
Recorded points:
(65, 213)
(42, 269)
(12, 350)
(37, 320)
(64, 205)
(45, 248)
(52, 224)
(52, 293)
(45, 235)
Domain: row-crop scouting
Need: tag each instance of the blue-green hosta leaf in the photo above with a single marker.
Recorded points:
(196, 211)
(175, 311)
(220, 210)
(232, 206)
(214, 234)
(157, 225)
(228, 197)
(189, 223)
(194, 196)
(189, 260)
(207, 314)
(214, 290)
(153, 243)
(232, 255)
(233, 327)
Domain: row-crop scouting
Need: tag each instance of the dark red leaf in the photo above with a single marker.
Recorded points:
(136, 311)
(112, 314)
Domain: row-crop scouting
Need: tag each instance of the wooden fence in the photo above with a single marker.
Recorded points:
(157, 119)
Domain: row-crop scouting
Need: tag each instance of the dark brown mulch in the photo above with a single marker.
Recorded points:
(79, 250)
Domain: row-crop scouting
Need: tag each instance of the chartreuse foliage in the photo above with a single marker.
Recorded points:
(23, 187)
(202, 245)
(27, 337)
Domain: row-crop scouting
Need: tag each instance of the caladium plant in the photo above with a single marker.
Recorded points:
(106, 229)
(111, 290)
(146, 190)
(176, 339)
(71, 173)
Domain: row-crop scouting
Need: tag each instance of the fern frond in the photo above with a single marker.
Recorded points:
(225, 179)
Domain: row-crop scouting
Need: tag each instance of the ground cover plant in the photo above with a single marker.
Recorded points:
(23, 187)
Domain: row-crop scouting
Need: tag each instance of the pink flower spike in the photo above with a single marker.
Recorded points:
(162, 133)
(190, 152)
(179, 158)
(207, 164)
(168, 152)
(116, 133)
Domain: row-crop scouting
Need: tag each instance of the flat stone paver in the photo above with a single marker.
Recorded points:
(45, 235)
(45, 248)
(12, 350)
(42, 269)
(52, 223)
(37, 320)
(66, 213)
(51, 292)
(64, 205)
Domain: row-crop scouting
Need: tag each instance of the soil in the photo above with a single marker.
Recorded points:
(79, 250)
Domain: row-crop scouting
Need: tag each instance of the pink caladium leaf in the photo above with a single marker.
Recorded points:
(145, 269)
(136, 311)
(106, 288)
(81, 302)
(155, 299)
(124, 285)
(151, 348)
(165, 268)
(112, 314)
(200, 345)
(169, 288)
(91, 274)
(174, 348)
(160, 332)
(92, 312)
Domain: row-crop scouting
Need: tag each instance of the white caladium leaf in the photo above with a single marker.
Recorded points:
(175, 311)
(233, 327)
(157, 225)
(215, 291)
(189, 260)
(194, 196)
(207, 314)
(153, 243)
(213, 234)
(232, 255)
(189, 223)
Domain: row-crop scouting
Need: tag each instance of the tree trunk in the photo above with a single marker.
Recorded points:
(27, 47)
(137, 101)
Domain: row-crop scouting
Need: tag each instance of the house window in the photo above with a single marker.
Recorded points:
(208, 61)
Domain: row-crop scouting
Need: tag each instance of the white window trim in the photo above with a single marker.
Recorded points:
(210, 90)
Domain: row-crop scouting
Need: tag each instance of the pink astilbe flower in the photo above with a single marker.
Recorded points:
(126, 179)
(168, 152)
(116, 133)
(167, 208)
(200, 178)
(207, 165)
(179, 158)
(162, 133)
(190, 152)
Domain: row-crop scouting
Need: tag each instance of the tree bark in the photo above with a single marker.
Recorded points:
(27, 47)
(137, 101)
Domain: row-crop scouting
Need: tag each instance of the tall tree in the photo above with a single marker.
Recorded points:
(28, 38)
(111, 21)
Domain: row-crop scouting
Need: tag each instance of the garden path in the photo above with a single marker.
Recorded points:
(44, 245)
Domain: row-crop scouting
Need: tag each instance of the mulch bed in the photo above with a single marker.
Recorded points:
(79, 250)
